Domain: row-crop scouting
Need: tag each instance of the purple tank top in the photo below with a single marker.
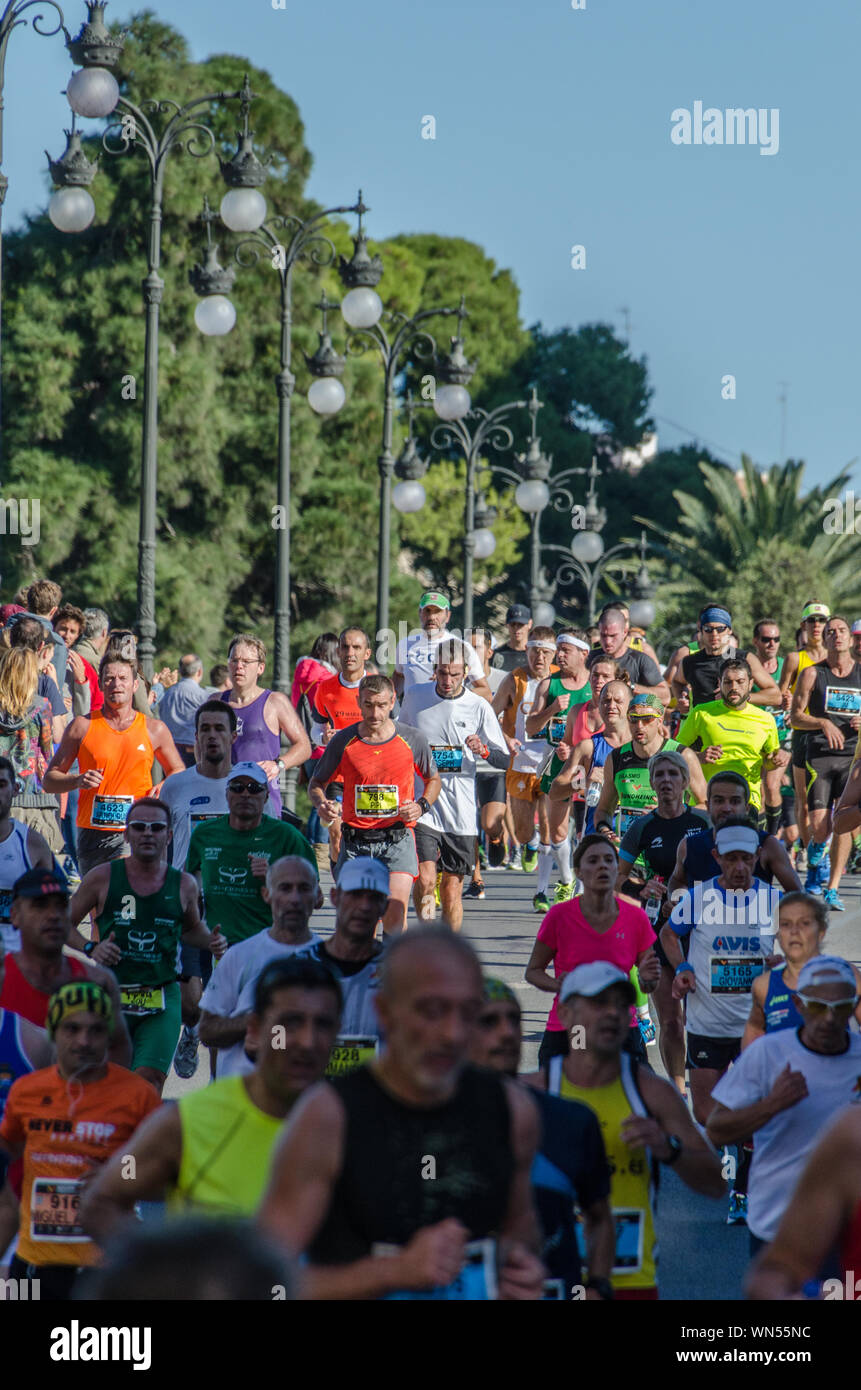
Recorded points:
(256, 743)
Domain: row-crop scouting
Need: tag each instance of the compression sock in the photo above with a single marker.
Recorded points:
(563, 859)
(641, 999)
(535, 841)
(772, 819)
(545, 867)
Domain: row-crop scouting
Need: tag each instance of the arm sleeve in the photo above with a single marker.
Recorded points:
(328, 765)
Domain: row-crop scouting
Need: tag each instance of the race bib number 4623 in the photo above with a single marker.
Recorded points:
(109, 812)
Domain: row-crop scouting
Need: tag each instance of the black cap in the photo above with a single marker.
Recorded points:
(38, 883)
(518, 613)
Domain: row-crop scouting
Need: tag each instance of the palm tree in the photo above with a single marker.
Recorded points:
(758, 544)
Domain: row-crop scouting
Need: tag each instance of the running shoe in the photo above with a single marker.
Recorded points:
(514, 860)
(495, 853)
(563, 892)
(475, 889)
(647, 1031)
(541, 902)
(529, 859)
(737, 1214)
(833, 899)
(186, 1059)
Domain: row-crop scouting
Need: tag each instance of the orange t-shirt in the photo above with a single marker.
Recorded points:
(377, 776)
(336, 702)
(127, 760)
(67, 1130)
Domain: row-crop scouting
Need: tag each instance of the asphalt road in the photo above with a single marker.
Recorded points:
(701, 1257)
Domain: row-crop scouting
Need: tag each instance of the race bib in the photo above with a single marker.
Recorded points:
(447, 757)
(373, 802)
(140, 1000)
(555, 730)
(475, 1283)
(630, 1225)
(842, 699)
(54, 1210)
(626, 819)
(734, 974)
(350, 1052)
(109, 812)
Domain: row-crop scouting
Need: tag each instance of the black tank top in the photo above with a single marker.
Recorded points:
(700, 864)
(386, 1190)
(826, 700)
(701, 673)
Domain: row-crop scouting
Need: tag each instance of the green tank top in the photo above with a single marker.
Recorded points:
(146, 928)
(555, 727)
(226, 1146)
(631, 780)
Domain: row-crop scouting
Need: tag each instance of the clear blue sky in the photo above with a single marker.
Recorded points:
(553, 128)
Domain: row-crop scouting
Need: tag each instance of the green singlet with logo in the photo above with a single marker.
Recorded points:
(631, 780)
(554, 730)
(146, 928)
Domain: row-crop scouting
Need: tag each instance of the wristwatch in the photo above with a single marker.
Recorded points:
(676, 1147)
(424, 803)
(602, 1287)
(89, 947)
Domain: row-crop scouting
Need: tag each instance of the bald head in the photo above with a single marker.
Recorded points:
(290, 890)
(410, 953)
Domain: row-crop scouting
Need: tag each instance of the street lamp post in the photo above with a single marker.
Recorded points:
(287, 239)
(243, 173)
(407, 334)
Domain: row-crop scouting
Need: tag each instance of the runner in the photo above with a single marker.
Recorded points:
(596, 925)
(21, 848)
(728, 933)
(23, 1048)
(210, 1151)
(414, 659)
(40, 912)
(649, 848)
(802, 921)
(512, 704)
(824, 1214)
(555, 697)
(142, 909)
(115, 748)
(195, 795)
(787, 1088)
(728, 799)
(570, 1167)
(814, 617)
(350, 1182)
(643, 1119)
(512, 654)
(231, 854)
(263, 716)
(589, 754)
(827, 704)
(731, 734)
(334, 706)
(766, 646)
(378, 760)
(65, 1121)
(645, 673)
(228, 1002)
(463, 732)
(700, 671)
(355, 958)
(626, 771)
(489, 781)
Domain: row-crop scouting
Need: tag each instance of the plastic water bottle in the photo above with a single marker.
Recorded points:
(653, 904)
(593, 795)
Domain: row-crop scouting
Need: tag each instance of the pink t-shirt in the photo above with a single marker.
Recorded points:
(573, 942)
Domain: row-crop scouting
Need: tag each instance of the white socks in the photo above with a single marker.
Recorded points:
(545, 867)
(563, 859)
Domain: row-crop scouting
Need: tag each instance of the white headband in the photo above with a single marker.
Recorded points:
(567, 640)
(542, 646)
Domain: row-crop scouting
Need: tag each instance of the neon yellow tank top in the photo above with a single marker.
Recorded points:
(804, 660)
(631, 1191)
(226, 1145)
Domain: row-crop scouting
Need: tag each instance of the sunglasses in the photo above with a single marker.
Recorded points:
(246, 788)
(641, 718)
(770, 639)
(715, 627)
(158, 827)
(818, 1008)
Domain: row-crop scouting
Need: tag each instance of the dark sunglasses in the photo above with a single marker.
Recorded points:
(715, 627)
(158, 827)
(770, 639)
(248, 788)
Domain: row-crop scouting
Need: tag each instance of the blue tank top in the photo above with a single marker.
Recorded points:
(700, 864)
(779, 1010)
(600, 752)
(256, 743)
(14, 1061)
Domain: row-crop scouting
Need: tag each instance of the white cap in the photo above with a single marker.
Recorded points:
(731, 837)
(593, 979)
(252, 770)
(826, 970)
(363, 872)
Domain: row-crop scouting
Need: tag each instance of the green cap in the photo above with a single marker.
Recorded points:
(644, 703)
(815, 610)
(498, 992)
(433, 599)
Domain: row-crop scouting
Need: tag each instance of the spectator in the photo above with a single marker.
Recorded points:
(219, 679)
(91, 647)
(25, 739)
(179, 702)
(42, 602)
(30, 633)
(322, 662)
(69, 622)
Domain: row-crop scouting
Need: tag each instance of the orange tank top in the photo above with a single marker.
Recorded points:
(126, 760)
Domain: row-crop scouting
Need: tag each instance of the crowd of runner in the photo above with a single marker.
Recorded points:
(359, 1112)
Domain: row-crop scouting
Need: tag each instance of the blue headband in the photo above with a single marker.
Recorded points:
(716, 615)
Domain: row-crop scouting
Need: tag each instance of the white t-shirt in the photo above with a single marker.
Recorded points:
(231, 989)
(781, 1148)
(191, 799)
(533, 751)
(447, 724)
(726, 939)
(415, 656)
